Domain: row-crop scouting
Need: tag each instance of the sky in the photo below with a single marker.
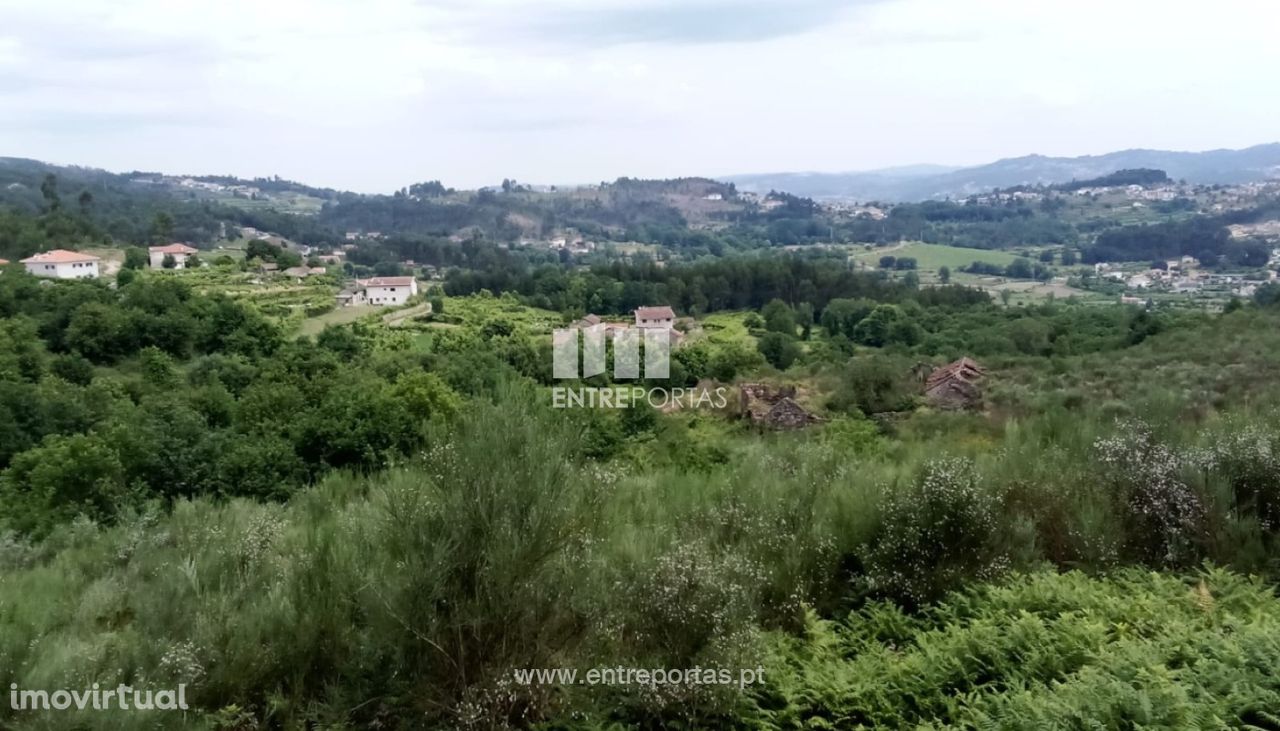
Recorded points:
(373, 95)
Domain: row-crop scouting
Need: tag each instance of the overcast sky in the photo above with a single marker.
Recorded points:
(372, 95)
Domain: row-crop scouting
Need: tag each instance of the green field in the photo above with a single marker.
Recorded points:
(930, 257)
(339, 316)
(477, 310)
(726, 327)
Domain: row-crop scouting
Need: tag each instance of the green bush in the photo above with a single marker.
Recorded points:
(936, 532)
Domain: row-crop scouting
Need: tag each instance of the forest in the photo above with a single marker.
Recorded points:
(425, 221)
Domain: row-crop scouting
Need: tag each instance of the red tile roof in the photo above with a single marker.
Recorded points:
(385, 282)
(655, 313)
(173, 249)
(59, 256)
(962, 370)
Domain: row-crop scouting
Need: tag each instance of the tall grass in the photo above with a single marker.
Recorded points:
(405, 599)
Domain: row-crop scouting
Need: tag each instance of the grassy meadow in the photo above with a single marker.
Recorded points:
(931, 257)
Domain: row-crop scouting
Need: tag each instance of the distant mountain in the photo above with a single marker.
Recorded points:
(921, 182)
(898, 183)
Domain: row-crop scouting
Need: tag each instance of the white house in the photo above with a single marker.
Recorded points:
(1139, 281)
(656, 317)
(62, 264)
(349, 297)
(388, 290)
(179, 252)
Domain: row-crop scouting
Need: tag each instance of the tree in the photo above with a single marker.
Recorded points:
(1019, 269)
(779, 349)
(874, 330)
(62, 477)
(804, 314)
(426, 395)
(168, 262)
(841, 316)
(944, 274)
(731, 359)
(873, 384)
(135, 257)
(779, 318)
(162, 227)
(49, 191)
(888, 262)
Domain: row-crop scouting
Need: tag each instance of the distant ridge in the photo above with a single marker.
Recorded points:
(922, 182)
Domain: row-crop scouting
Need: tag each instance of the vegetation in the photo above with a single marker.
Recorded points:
(375, 521)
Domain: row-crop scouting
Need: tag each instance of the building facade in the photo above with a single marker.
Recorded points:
(179, 252)
(655, 317)
(387, 290)
(62, 264)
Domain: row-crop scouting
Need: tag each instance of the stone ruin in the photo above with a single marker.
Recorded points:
(955, 386)
(775, 408)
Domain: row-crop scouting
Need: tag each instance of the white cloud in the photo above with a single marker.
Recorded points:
(374, 95)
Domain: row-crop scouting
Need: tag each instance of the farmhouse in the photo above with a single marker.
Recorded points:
(63, 264)
(388, 290)
(655, 317)
(179, 252)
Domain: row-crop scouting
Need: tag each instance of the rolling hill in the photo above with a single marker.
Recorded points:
(923, 182)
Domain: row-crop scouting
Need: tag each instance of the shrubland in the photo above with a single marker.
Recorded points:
(378, 526)
(407, 597)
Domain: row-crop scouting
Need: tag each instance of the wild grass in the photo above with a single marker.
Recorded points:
(406, 599)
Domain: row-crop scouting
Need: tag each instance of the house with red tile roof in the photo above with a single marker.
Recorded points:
(179, 252)
(656, 317)
(62, 264)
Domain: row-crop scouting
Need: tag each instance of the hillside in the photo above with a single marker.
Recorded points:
(201, 206)
(1261, 162)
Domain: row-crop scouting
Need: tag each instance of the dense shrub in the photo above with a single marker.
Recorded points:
(935, 533)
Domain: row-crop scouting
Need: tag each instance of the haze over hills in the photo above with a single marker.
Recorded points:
(922, 182)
